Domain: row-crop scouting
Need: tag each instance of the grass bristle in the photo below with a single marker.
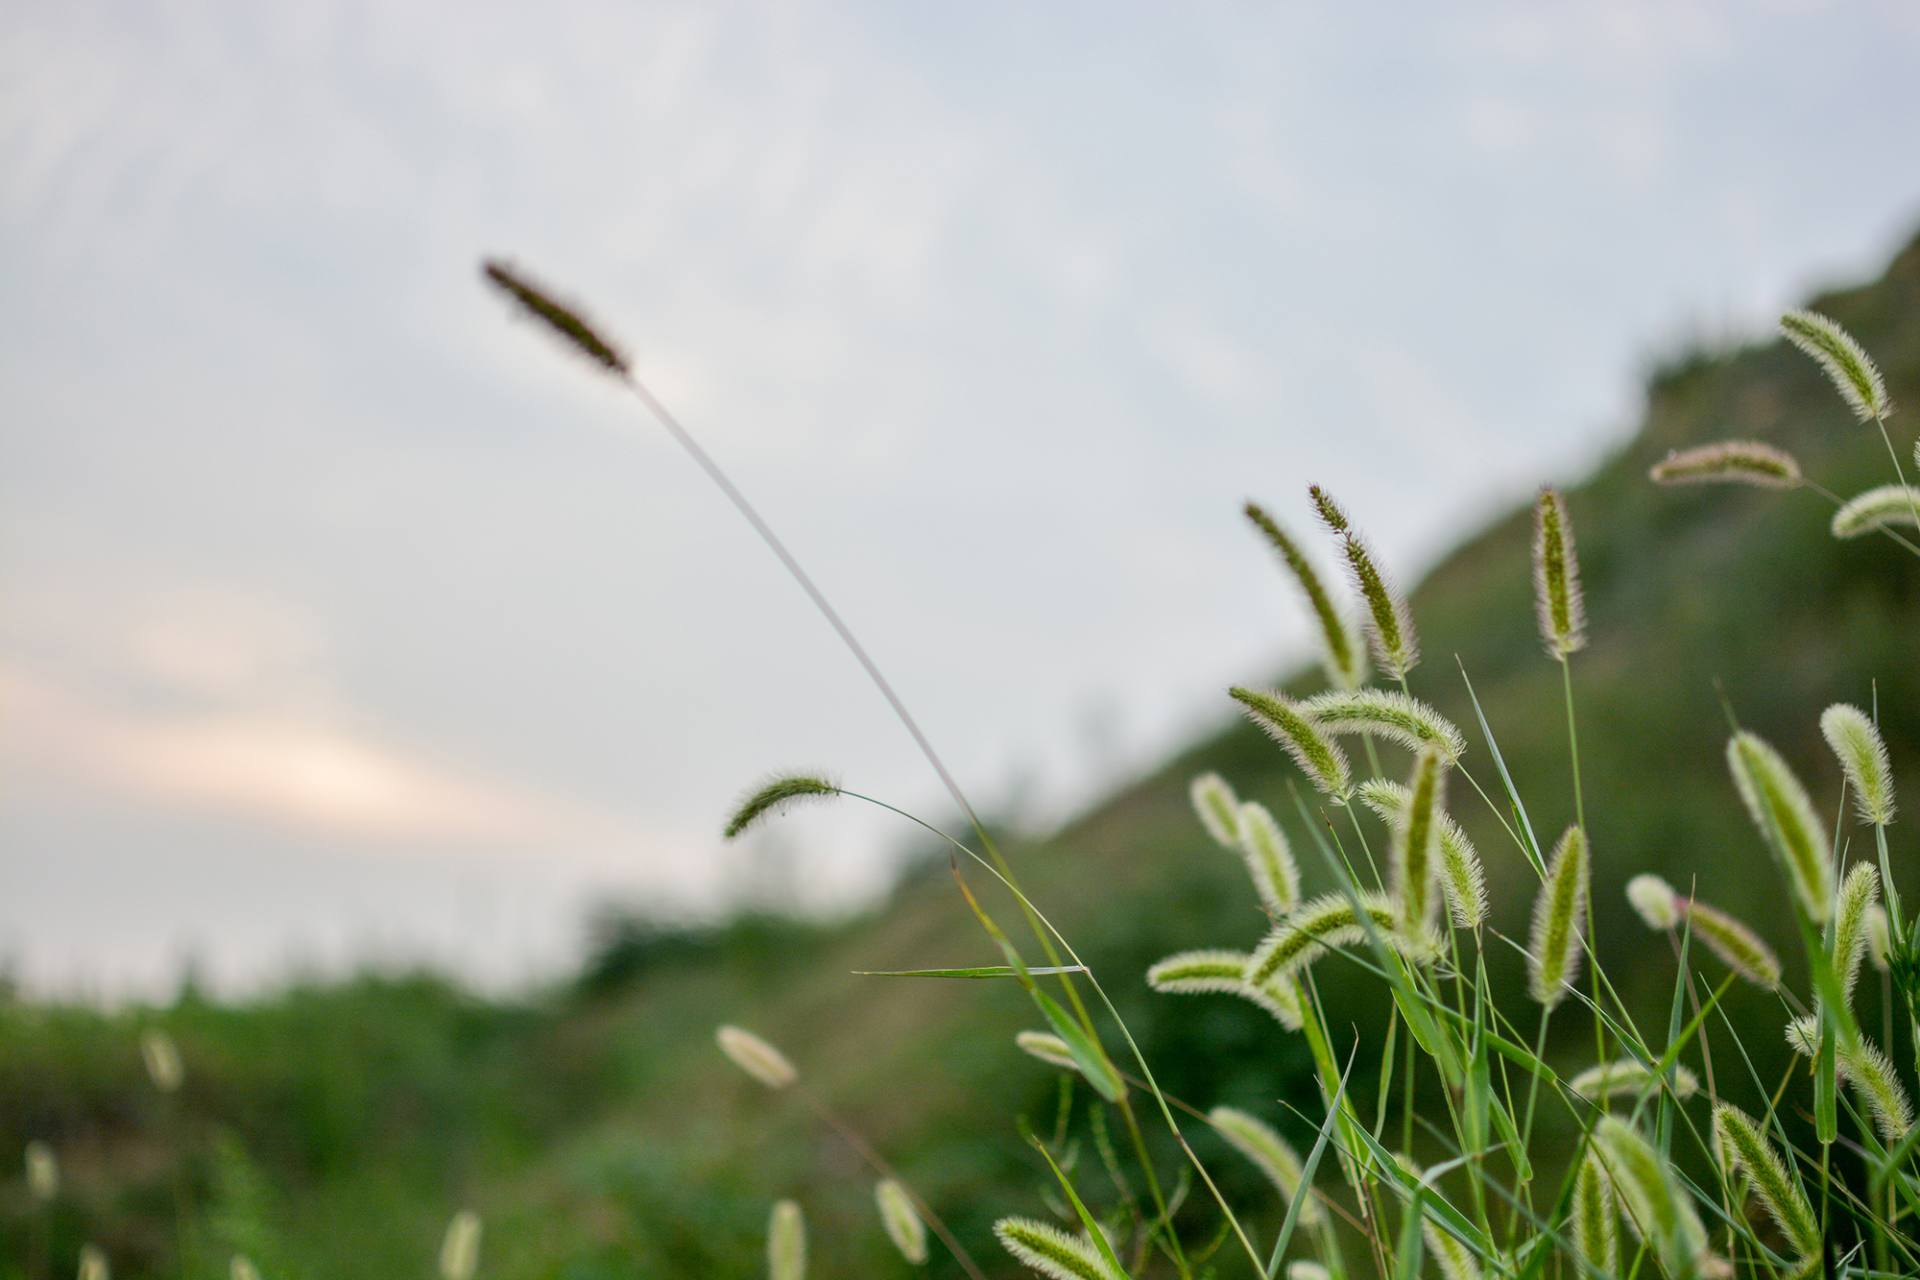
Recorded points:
(1389, 714)
(1781, 809)
(1556, 577)
(1745, 462)
(1318, 756)
(775, 795)
(1553, 948)
(1857, 744)
(563, 320)
(1253, 1138)
(1341, 653)
(1852, 371)
(1051, 1251)
(1878, 508)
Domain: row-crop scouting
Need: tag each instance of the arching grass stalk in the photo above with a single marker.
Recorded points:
(568, 324)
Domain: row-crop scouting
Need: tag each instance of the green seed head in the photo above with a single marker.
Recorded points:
(1318, 756)
(1745, 1149)
(776, 794)
(1556, 577)
(1730, 462)
(1051, 1251)
(1553, 950)
(1270, 1153)
(901, 1220)
(1269, 858)
(1780, 808)
(756, 1057)
(786, 1242)
(1847, 365)
(1342, 655)
(1857, 744)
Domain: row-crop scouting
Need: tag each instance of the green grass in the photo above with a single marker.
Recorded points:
(332, 1132)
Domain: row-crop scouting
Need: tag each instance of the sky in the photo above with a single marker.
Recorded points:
(345, 620)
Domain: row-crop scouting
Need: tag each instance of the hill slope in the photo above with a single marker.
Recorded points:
(330, 1132)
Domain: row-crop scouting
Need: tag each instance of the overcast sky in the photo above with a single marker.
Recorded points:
(342, 617)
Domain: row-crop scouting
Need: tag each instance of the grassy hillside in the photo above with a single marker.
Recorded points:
(331, 1132)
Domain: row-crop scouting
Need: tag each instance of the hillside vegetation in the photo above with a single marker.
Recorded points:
(330, 1132)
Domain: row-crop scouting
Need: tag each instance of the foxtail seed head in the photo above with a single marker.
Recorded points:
(1654, 901)
(786, 1242)
(1270, 860)
(240, 1267)
(1876, 509)
(1859, 895)
(565, 321)
(1328, 510)
(1785, 815)
(1281, 997)
(1847, 365)
(1745, 1149)
(1386, 713)
(1307, 1269)
(1739, 947)
(1342, 656)
(775, 794)
(1730, 462)
(162, 1058)
(1253, 1138)
(1317, 755)
(1462, 878)
(756, 1057)
(1863, 757)
(1878, 1087)
(1630, 1075)
(901, 1220)
(1396, 647)
(1330, 921)
(93, 1263)
(1199, 973)
(43, 1171)
(1416, 841)
(1556, 577)
(1596, 1233)
(460, 1249)
(1655, 1204)
(1219, 811)
(1553, 948)
(1047, 1047)
(1051, 1251)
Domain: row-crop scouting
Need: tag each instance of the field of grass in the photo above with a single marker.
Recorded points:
(332, 1132)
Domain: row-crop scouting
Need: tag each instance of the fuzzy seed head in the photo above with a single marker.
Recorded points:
(1269, 858)
(1047, 1047)
(1553, 949)
(1386, 713)
(1321, 923)
(1596, 1235)
(563, 320)
(241, 1268)
(460, 1248)
(43, 1171)
(776, 794)
(1462, 878)
(1255, 1139)
(1878, 508)
(1556, 577)
(1803, 1035)
(93, 1263)
(1859, 895)
(1416, 840)
(1879, 939)
(1629, 1076)
(1654, 901)
(1306, 1269)
(786, 1242)
(1780, 808)
(1856, 742)
(1658, 1208)
(162, 1058)
(1281, 997)
(1318, 756)
(756, 1057)
(1218, 808)
(1745, 1148)
(1878, 1087)
(1847, 365)
(1328, 510)
(1051, 1251)
(1730, 462)
(901, 1220)
(1739, 947)
(1341, 653)
(1199, 973)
